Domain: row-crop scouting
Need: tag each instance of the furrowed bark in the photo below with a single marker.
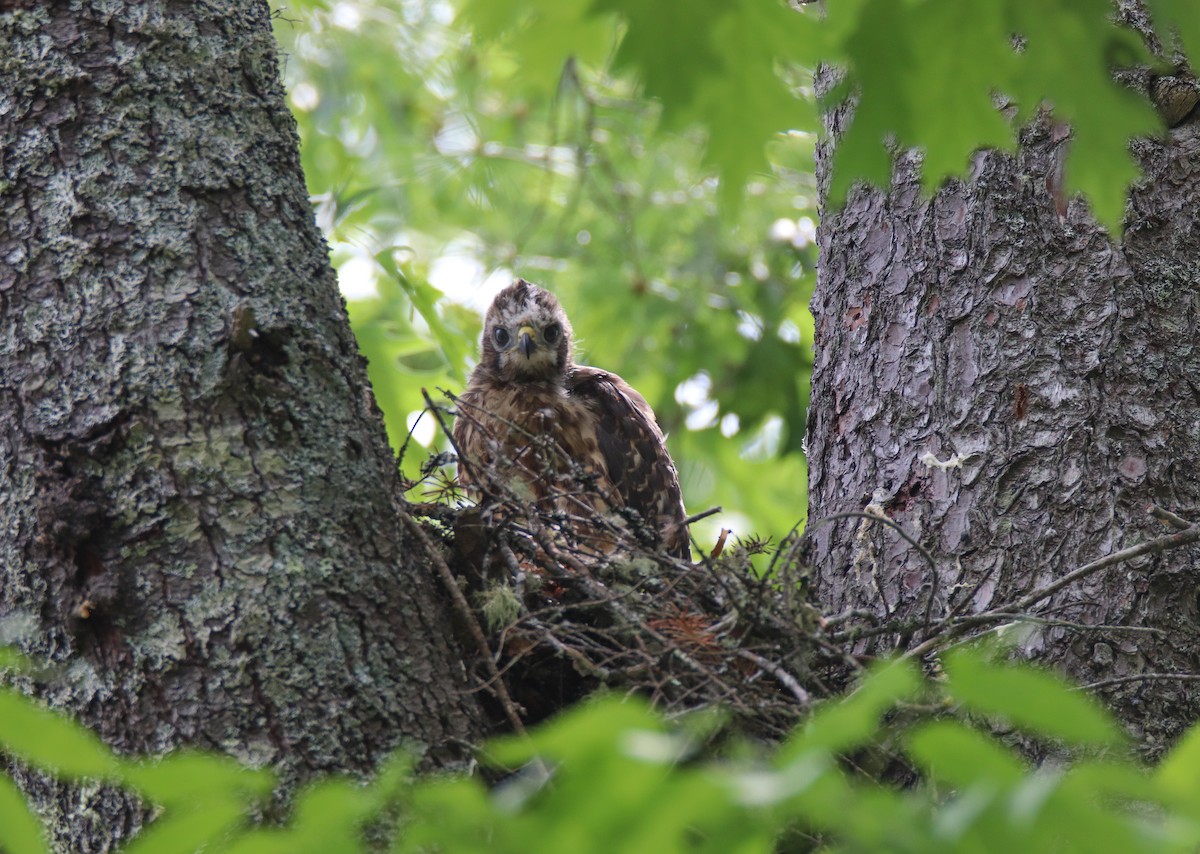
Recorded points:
(996, 321)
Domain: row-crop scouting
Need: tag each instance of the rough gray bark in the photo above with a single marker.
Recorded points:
(1061, 362)
(197, 499)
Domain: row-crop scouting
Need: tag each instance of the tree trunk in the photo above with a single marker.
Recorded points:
(198, 502)
(997, 322)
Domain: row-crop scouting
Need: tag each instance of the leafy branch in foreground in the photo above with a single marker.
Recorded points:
(928, 75)
(613, 775)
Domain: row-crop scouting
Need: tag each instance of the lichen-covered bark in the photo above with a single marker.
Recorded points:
(1062, 363)
(197, 512)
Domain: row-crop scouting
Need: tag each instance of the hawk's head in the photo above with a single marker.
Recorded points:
(526, 335)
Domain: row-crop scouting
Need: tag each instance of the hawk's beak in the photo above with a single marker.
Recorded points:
(525, 338)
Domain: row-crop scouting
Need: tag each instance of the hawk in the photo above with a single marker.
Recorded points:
(578, 440)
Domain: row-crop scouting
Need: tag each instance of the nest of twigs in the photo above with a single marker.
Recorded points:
(555, 618)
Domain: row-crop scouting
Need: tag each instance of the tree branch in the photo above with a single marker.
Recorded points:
(1155, 546)
(464, 610)
(948, 630)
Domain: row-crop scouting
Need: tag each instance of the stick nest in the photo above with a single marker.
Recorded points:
(562, 619)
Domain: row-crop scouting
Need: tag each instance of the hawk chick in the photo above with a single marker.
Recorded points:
(579, 439)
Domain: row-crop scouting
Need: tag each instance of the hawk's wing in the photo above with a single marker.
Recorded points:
(635, 452)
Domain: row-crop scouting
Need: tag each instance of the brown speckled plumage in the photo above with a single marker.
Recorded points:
(579, 440)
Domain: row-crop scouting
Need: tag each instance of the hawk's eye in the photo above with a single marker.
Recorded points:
(552, 332)
(501, 335)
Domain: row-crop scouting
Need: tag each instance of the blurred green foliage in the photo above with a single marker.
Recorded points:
(941, 76)
(611, 775)
(652, 163)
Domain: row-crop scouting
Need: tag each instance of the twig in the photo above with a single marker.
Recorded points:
(1155, 546)
(1164, 515)
(860, 514)
(787, 538)
(712, 511)
(909, 538)
(933, 589)
(464, 610)
(853, 613)
(720, 546)
(786, 679)
(581, 661)
(445, 513)
(462, 459)
(1071, 624)
(889, 628)
(1141, 677)
(958, 607)
(408, 439)
(556, 554)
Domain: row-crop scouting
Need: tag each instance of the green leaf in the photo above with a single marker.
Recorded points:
(963, 49)
(748, 105)
(878, 819)
(51, 741)
(926, 75)
(1078, 86)
(12, 660)
(961, 756)
(1028, 698)
(656, 61)
(393, 779)
(1171, 16)
(327, 817)
(732, 89)
(184, 831)
(763, 787)
(424, 298)
(860, 154)
(1178, 774)
(333, 802)
(20, 831)
(719, 826)
(1124, 780)
(1061, 811)
(853, 721)
(451, 815)
(492, 19)
(596, 727)
(971, 811)
(187, 777)
(542, 35)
